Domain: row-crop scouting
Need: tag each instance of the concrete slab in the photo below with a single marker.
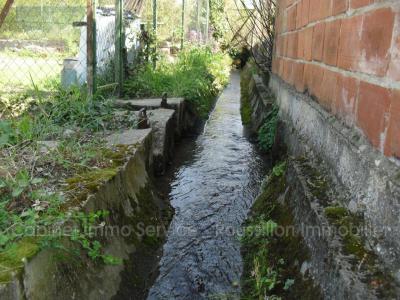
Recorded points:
(149, 103)
(163, 122)
(128, 137)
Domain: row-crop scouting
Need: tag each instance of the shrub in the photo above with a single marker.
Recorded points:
(198, 75)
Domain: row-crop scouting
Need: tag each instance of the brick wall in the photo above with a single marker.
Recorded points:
(346, 54)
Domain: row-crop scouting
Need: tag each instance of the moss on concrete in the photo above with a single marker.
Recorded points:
(83, 184)
(316, 182)
(245, 100)
(11, 260)
(272, 263)
(349, 226)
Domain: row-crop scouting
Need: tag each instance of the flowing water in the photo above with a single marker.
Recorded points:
(211, 193)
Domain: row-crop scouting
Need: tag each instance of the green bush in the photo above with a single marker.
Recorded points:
(198, 75)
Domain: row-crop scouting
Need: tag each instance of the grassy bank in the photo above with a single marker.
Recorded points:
(198, 74)
(48, 136)
(272, 262)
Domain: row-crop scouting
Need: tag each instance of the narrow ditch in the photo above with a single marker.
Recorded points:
(211, 192)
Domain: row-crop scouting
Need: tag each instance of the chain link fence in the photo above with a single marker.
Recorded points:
(178, 22)
(35, 38)
(46, 42)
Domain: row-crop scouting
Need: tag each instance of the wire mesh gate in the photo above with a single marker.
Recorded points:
(68, 42)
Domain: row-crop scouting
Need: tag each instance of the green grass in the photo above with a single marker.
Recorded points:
(198, 75)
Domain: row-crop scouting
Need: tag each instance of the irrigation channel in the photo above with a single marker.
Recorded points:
(211, 191)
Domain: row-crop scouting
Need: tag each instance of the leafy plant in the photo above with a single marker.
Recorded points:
(267, 132)
(279, 169)
(31, 216)
(84, 235)
(198, 75)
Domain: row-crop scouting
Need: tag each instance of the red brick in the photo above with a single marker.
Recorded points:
(339, 6)
(279, 45)
(349, 46)
(300, 47)
(308, 69)
(376, 41)
(298, 15)
(281, 67)
(331, 42)
(316, 81)
(360, 3)
(314, 10)
(328, 90)
(392, 144)
(318, 42)
(373, 110)
(283, 15)
(298, 74)
(292, 45)
(284, 45)
(287, 71)
(320, 9)
(305, 11)
(308, 35)
(289, 2)
(346, 95)
(326, 8)
(291, 18)
(394, 65)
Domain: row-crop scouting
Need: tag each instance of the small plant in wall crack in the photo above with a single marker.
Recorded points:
(84, 235)
(267, 132)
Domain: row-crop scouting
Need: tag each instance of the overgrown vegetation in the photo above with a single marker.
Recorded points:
(245, 100)
(272, 261)
(198, 74)
(46, 138)
(267, 132)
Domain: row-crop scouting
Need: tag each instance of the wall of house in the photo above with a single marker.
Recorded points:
(346, 55)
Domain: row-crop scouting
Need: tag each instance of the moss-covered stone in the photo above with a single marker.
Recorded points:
(245, 101)
(349, 226)
(272, 263)
(336, 213)
(316, 182)
(11, 260)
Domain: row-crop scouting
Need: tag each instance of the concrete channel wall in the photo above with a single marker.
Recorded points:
(132, 203)
(354, 175)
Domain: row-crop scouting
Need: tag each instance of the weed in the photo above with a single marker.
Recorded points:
(279, 169)
(198, 75)
(271, 260)
(267, 132)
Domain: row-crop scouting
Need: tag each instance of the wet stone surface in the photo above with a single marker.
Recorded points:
(211, 194)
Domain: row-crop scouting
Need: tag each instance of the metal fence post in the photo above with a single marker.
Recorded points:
(155, 16)
(5, 10)
(198, 22)
(207, 20)
(91, 47)
(183, 24)
(155, 25)
(119, 45)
